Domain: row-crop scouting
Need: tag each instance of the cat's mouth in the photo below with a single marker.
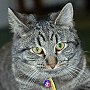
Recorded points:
(47, 71)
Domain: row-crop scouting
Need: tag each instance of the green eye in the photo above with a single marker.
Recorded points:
(60, 46)
(37, 50)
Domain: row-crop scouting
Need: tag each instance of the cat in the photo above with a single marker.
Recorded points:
(43, 49)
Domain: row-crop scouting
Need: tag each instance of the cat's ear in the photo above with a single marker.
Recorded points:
(20, 23)
(65, 17)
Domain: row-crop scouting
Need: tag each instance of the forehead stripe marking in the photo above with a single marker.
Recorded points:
(56, 38)
(42, 36)
(38, 39)
(52, 36)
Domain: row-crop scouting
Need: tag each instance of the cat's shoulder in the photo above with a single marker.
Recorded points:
(5, 69)
(5, 50)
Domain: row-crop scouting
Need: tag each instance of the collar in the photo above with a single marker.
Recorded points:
(52, 84)
(47, 83)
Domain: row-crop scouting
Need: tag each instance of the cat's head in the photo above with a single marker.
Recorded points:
(45, 48)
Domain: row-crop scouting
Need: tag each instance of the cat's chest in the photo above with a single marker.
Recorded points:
(52, 84)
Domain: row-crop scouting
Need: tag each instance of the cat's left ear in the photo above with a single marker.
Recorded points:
(65, 17)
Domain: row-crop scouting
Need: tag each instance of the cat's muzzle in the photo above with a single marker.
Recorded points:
(51, 62)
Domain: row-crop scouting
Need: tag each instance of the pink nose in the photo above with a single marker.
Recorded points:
(51, 61)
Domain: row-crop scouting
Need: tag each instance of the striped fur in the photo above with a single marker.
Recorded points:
(29, 70)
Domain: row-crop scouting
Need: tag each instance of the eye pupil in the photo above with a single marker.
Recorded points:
(37, 48)
(60, 45)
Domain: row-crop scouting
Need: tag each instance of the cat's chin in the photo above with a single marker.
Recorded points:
(47, 73)
(55, 73)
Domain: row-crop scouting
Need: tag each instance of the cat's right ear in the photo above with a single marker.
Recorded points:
(19, 23)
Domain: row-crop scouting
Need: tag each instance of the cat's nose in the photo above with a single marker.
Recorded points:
(51, 61)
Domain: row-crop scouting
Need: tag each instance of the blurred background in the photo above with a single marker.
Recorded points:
(43, 7)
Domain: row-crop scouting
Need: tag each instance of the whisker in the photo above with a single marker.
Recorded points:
(74, 70)
(86, 51)
(31, 79)
(69, 72)
(26, 82)
(25, 75)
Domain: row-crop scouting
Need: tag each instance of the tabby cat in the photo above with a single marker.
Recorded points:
(44, 49)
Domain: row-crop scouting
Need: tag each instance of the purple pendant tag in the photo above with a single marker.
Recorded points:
(47, 83)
